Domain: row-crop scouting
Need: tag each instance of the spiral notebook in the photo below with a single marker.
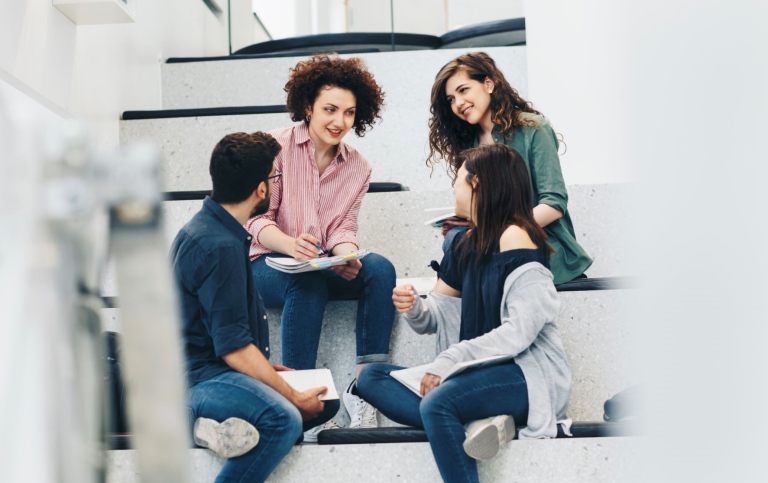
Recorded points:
(291, 265)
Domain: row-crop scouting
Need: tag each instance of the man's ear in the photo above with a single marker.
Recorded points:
(261, 191)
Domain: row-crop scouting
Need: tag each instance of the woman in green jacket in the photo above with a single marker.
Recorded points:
(473, 104)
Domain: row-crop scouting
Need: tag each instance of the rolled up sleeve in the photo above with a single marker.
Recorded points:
(545, 173)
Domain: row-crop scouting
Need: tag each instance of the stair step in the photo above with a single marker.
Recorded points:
(597, 460)
(248, 82)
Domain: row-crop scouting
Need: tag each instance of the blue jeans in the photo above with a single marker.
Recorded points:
(473, 395)
(233, 394)
(303, 297)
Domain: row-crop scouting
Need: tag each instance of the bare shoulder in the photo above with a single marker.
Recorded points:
(515, 237)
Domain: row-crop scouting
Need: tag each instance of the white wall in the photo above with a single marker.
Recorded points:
(422, 17)
(95, 72)
(462, 13)
(578, 77)
(673, 93)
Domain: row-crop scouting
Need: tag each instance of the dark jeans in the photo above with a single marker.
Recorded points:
(233, 394)
(303, 297)
(478, 394)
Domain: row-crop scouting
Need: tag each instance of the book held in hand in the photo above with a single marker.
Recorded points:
(291, 265)
(411, 377)
(439, 215)
(309, 379)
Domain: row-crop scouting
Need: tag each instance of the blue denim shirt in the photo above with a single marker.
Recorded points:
(221, 310)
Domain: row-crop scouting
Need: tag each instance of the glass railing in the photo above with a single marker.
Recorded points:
(280, 19)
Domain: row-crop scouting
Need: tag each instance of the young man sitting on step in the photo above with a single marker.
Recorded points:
(244, 410)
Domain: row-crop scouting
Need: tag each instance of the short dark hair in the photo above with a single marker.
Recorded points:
(321, 70)
(239, 162)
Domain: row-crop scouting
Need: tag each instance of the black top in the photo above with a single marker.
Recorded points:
(221, 311)
(482, 284)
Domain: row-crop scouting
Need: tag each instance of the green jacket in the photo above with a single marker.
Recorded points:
(537, 144)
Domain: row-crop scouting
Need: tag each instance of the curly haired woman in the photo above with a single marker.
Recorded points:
(472, 104)
(313, 209)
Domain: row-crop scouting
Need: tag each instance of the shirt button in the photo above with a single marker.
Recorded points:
(266, 349)
(265, 317)
(249, 238)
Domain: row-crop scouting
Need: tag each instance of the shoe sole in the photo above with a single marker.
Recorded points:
(484, 444)
(229, 439)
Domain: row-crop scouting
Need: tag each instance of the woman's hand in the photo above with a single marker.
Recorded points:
(453, 222)
(429, 382)
(403, 297)
(349, 270)
(305, 247)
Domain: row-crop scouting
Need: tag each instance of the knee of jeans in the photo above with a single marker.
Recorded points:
(370, 378)
(287, 419)
(433, 404)
(366, 374)
(379, 267)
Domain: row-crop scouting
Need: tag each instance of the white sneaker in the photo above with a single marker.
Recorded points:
(361, 414)
(485, 435)
(310, 436)
(233, 437)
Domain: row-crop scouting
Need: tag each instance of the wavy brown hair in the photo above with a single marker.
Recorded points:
(449, 135)
(324, 70)
(501, 197)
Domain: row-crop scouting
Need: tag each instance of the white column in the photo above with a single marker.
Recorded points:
(673, 94)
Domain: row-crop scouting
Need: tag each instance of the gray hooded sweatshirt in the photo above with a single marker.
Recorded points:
(528, 332)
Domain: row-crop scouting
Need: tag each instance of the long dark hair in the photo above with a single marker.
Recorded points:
(449, 135)
(501, 197)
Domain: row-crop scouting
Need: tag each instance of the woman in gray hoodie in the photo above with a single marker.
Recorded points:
(494, 297)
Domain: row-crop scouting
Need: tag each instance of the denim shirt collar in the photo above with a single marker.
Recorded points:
(227, 221)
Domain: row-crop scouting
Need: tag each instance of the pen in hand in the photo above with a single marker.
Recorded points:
(319, 249)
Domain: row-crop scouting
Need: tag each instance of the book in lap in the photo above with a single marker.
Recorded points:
(411, 377)
(291, 265)
(311, 378)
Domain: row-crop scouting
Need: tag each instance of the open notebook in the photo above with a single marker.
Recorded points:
(411, 377)
(439, 215)
(291, 265)
(311, 378)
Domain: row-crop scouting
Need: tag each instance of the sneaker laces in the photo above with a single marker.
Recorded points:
(367, 416)
(364, 415)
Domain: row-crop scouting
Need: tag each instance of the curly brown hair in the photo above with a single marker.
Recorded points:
(323, 70)
(449, 135)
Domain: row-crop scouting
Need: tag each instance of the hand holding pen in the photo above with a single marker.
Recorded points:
(306, 247)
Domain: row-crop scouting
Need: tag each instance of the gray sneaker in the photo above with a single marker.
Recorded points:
(310, 436)
(361, 414)
(234, 437)
(485, 435)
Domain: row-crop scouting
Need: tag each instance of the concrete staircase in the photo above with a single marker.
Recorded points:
(593, 324)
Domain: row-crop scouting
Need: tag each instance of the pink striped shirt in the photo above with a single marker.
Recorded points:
(302, 201)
